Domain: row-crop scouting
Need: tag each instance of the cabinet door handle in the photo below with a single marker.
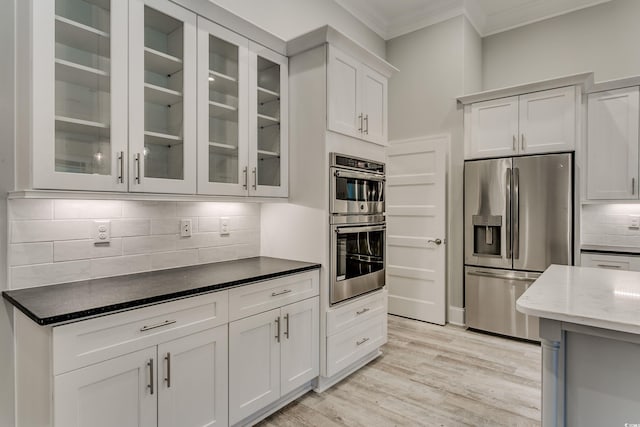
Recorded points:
(246, 177)
(157, 325)
(275, 294)
(522, 144)
(362, 341)
(278, 329)
(121, 167)
(137, 160)
(255, 178)
(150, 386)
(360, 118)
(168, 377)
(286, 322)
(514, 143)
(633, 186)
(366, 122)
(363, 311)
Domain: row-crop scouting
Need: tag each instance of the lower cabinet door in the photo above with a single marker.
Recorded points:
(118, 392)
(254, 363)
(192, 380)
(299, 346)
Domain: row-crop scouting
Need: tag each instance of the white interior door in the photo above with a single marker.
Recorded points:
(416, 228)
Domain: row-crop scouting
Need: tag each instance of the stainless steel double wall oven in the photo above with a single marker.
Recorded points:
(357, 194)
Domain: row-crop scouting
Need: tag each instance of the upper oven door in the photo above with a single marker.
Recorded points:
(356, 192)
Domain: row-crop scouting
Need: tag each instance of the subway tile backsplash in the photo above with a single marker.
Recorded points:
(609, 225)
(50, 241)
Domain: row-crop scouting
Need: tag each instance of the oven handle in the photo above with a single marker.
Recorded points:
(359, 175)
(361, 229)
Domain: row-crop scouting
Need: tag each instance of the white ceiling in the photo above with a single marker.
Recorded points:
(392, 18)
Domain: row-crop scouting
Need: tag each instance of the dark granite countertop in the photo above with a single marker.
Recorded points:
(51, 304)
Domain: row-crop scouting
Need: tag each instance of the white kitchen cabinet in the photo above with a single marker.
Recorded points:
(493, 128)
(193, 380)
(532, 123)
(242, 127)
(75, 136)
(116, 392)
(162, 97)
(357, 98)
(612, 144)
(270, 355)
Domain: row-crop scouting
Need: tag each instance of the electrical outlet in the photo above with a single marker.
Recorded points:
(224, 226)
(634, 222)
(101, 232)
(185, 228)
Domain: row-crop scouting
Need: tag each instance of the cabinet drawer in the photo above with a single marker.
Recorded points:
(350, 345)
(613, 262)
(264, 296)
(90, 341)
(356, 312)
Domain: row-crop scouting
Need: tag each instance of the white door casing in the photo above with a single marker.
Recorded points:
(416, 209)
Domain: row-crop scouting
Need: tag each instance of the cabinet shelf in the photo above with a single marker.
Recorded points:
(223, 111)
(265, 95)
(264, 155)
(87, 127)
(223, 146)
(223, 83)
(160, 62)
(224, 149)
(267, 121)
(160, 95)
(82, 75)
(83, 37)
(159, 138)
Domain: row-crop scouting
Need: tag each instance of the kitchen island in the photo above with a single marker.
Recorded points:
(590, 331)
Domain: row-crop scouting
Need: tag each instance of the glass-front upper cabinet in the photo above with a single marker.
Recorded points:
(162, 96)
(223, 133)
(268, 140)
(79, 96)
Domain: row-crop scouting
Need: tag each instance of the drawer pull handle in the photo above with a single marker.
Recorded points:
(608, 266)
(362, 341)
(159, 325)
(275, 294)
(150, 385)
(363, 311)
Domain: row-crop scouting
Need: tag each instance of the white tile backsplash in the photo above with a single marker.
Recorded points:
(608, 225)
(50, 240)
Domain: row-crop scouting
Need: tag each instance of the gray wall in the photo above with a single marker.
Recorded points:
(437, 64)
(290, 18)
(603, 39)
(7, 78)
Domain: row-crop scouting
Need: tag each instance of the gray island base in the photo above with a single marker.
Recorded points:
(590, 332)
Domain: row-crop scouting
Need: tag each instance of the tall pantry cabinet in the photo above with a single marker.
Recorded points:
(116, 90)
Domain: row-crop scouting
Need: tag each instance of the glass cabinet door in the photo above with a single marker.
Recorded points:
(268, 162)
(162, 93)
(222, 110)
(79, 95)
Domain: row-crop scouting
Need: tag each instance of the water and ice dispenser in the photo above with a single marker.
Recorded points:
(487, 230)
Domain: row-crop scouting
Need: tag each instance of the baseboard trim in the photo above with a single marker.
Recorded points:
(456, 316)
(325, 383)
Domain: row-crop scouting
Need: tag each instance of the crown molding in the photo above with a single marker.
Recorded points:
(367, 16)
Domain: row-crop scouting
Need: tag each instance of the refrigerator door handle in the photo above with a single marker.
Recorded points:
(508, 211)
(516, 213)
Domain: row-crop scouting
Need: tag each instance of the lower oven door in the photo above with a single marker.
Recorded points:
(357, 260)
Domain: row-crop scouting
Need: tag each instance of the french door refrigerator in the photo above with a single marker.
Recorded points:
(518, 220)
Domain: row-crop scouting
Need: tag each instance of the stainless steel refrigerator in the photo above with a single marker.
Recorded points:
(518, 220)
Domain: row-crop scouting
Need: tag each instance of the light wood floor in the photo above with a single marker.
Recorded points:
(433, 376)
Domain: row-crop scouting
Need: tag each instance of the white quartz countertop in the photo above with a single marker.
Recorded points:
(597, 297)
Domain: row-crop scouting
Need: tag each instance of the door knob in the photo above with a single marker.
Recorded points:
(436, 241)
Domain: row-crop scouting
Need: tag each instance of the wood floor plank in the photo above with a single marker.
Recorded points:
(430, 375)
